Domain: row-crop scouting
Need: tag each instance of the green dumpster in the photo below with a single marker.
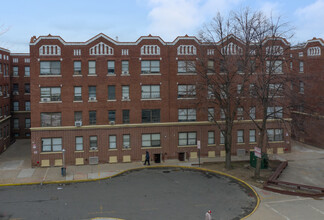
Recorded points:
(264, 160)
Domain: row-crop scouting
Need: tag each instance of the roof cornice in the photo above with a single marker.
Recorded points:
(113, 41)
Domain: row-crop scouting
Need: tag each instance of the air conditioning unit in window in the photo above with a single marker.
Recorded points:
(8, 95)
(112, 122)
(78, 123)
(125, 98)
(45, 99)
(92, 98)
(126, 146)
(0, 93)
(125, 72)
(93, 148)
(93, 160)
(15, 93)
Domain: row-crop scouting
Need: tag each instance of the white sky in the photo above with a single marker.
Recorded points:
(80, 20)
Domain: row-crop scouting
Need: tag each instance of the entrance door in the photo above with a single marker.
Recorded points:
(181, 156)
(157, 158)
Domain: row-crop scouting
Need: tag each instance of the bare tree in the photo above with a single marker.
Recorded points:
(251, 51)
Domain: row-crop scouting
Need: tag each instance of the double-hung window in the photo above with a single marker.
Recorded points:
(187, 138)
(111, 92)
(51, 119)
(16, 123)
(150, 66)
(274, 67)
(27, 88)
(211, 137)
(92, 67)
(27, 106)
(27, 71)
(27, 122)
(186, 67)
(50, 68)
(186, 91)
(77, 67)
(111, 67)
(211, 114)
(150, 115)
(151, 140)
(125, 92)
(78, 143)
(50, 94)
(151, 92)
(92, 93)
(125, 67)
(252, 112)
(187, 114)
(15, 106)
(125, 116)
(275, 134)
(51, 144)
(211, 66)
(93, 142)
(112, 116)
(77, 93)
(112, 142)
(15, 71)
(240, 136)
(275, 112)
(126, 141)
(252, 136)
(92, 117)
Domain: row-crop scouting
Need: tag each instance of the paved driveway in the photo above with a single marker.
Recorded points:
(161, 193)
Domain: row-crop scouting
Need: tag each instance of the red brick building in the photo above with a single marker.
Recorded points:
(308, 114)
(105, 101)
(4, 99)
(20, 95)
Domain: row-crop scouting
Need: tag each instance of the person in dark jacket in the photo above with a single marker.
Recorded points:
(147, 158)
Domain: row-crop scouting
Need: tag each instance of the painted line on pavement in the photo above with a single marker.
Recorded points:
(316, 209)
(289, 200)
(276, 211)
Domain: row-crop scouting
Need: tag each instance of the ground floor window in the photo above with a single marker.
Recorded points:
(151, 140)
(93, 142)
(51, 144)
(126, 141)
(211, 137)
(275, 134)
(78, 143)
(252, 136)
(112, 142)
(187, 138)
(240, 136)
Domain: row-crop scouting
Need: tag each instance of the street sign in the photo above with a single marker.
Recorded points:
(198, 144)
(257, 152)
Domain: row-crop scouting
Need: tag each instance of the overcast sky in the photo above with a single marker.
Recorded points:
(78, 21)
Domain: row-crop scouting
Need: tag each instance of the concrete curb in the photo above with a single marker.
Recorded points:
(140, 168)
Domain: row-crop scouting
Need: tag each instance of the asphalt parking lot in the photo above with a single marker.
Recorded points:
(162, 193)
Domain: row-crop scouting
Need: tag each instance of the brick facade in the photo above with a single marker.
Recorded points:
(307, 115)
(102, 49)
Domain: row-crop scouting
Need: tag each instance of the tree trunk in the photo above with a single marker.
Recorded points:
(261, 146)
(228, 165)
(228, 145)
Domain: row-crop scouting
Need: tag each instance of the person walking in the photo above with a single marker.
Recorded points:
(208, 215)
(147, 158)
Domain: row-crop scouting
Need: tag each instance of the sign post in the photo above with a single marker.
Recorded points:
(257, 152)
(198, 146)
(63, 169)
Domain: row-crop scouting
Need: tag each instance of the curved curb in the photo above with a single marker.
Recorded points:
(141, 168)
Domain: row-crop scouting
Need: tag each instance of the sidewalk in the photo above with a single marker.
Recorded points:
(15, 167)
